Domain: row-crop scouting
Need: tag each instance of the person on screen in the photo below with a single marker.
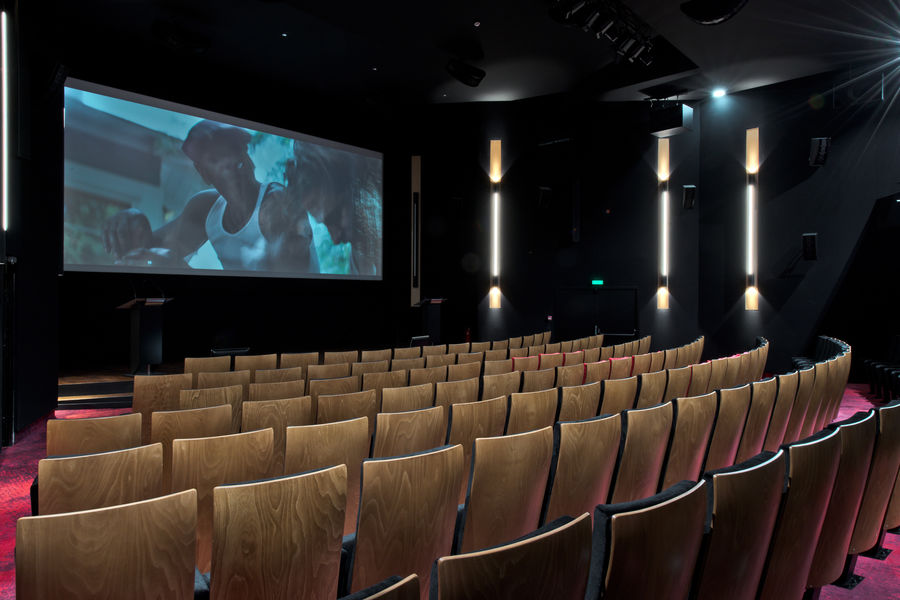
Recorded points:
(251, 226)
(337, 189)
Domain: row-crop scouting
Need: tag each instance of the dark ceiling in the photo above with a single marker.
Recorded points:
(397, 52)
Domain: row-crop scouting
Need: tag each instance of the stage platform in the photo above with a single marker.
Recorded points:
(107, 387)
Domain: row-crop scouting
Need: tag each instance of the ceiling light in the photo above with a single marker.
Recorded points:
(284, 35)
(718, 93)
(477, 24)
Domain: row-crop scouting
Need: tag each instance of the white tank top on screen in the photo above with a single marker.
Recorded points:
(244, 250)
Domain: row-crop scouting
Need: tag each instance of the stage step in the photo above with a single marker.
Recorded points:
(99, 394)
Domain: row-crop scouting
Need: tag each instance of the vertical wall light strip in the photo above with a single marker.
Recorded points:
(751, 294)
(662, 175)
(4, 153)
(496, 174)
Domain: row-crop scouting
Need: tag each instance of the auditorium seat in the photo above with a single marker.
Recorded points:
(678, 382)
(806, 379)
(313, 447)
(581, 471)
(591, 354)
(617, 395)
(745, 372)
(89, 481)
(458, 348)
(571, 375)
(651, 388)
(734, 404)
(671, 358)
(857, 435)
(338, 357)
(279, 538)
(536, 381)
(692, 427)
(440, 360)
(579, 402)
(620, 368)
(170, 425)
(158, 392)
(231, 395)
(496, 354)
(379, 381)
(400, 433)
(812, 466)
(427, 375)
(472, 420)
(470, 357)
(97, 434)
(495, 367)
(279, 375)
(618, 351)
(254, 362)
(515, 342)
(762, 400)
(781, 412)
(453, 392)
(717, 371)
(532, 410)
(550, 563)
(646, 435)
(817, 399)
(500, 345)
(278, 415)
(328, 371)
(204, 463)
(700, 376)
(536, 350)
(375, 355)
(503, 384)
(404, 353)
(525, 363)
(573, 358)
(596, 371)
(406, 517)
(352, 405)
(375, 366)
(147, 546)
(405, 364)
(461, 371)
(480, 347)
(299, 359)
(325, 387)
(206, 364)
(743, 502)
(657, 361)
(232, 378)
(647, 548)
(554, 348)
(506, 489)
(391, 588)
(411, 397)
(434, 350)
(643, 344)
(518, 352)
(640, 364)
(732, 372)
(277, 390)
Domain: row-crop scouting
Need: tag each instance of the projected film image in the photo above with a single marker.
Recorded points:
(153, 189)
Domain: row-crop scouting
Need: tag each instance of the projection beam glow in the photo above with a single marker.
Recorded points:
(4, 64)
(662, 173)
(496, 174)
(751, 294)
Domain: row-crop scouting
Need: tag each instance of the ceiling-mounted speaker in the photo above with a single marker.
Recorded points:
(688, 196)
(818, 151)
(465, 73)
(711, 12)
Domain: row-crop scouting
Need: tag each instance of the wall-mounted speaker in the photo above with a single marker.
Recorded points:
(465, 73)
(818, 151)
(809, 246)
(688, 196)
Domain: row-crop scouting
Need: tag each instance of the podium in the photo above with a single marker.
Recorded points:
(432, 317)
(146, 332)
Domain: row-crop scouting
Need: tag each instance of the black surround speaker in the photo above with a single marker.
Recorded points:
(818, 151)
(809, 246)
(670, 118)
(711, 12)
(688, 196)
(465, 73)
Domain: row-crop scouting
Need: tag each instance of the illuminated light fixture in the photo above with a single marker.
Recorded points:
(718, 93)
(4, 153)
(751, 295)
(662, 174)
(596, 282)
(496, 174)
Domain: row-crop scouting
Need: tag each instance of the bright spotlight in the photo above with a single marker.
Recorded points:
(718, 93)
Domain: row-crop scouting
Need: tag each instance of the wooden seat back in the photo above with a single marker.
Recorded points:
(405, 364)
(596, 371)
(458, 348)
(734, 404)
(584, 459)
(299, 359)
(506, 489)
(700, 376)
(678, 382)
(411, 352)
(147, 546)
(327, 387)
(313, 447)
(717, 371)
(434, 350)
(548, 361)
(781, 412)
(554, 564)
(440, 360)
(204, 463)
(157, 392)
(407, 515)
(657, 361)
(375, 366)
(278, 415)
(470, 357)
(254, 362)
(170, 425)
(692, 428)
(732, 372)
(536, 381)
(411, 397)
(532, 410)
(525, 363)
(620, 368)
(579, 402)
(812, 466)
(817, 399)
(454, 392)
(329, 371)
(571, 375)
(375, 355)
(617, 395)
(651, 388)
(640, 364)
(427, 375)
(462, 371)
(278, 375)
(88, 481)
(339, 357)
(762, 401)
(806, 379)
(503, 384)
(277, 390)
(472, 420)
(228, 380)
(402, 433)
(343, 407)
(496, 354)
(646, 433)
(745, 501)
(97, 434)
(279, 538)
(206, 364)
(379, 381)
(479, 346)
(496, 367)
(671, 358)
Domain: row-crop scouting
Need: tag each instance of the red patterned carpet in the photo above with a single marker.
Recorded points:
(18, 467)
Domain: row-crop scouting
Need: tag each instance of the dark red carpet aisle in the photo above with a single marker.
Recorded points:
(18, 466)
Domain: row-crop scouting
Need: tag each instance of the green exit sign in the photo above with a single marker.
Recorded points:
(596, 282)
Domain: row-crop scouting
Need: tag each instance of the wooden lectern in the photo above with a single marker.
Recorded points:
(146, 332)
